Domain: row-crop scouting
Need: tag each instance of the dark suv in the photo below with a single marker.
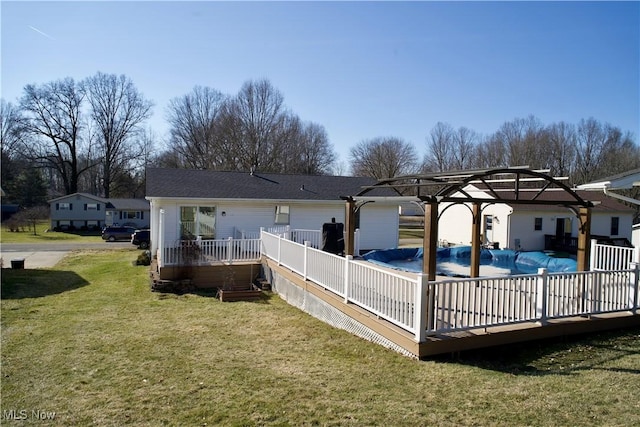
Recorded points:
(141, 238)
(117, 233)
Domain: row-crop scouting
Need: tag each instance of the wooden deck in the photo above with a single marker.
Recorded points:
(217, 275)
(462, 340)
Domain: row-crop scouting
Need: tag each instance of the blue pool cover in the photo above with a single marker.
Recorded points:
(455, 261)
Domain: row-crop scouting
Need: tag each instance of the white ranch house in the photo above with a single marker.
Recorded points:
(207, 205)
(534, 227)
(86, 211)
(409, 312)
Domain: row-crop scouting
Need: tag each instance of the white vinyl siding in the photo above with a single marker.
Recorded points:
(379, 223)
(378, 227)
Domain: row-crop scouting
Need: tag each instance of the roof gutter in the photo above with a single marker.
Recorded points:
(621, 197)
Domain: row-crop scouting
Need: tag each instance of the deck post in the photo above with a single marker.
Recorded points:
(347, 277)
(542, 289)
(160, 253)
(350, 215)
(279, 248)
(633, 287)
(306, 258)
(430, 240)
(593, 262)
(584, 235)
(230, 249)
(421, 308)
(475, 241)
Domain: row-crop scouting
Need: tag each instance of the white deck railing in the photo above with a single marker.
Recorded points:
(314, 237)
(459, 304)
(607, 257)
(421, 307)
(389, 295)
(203, 252)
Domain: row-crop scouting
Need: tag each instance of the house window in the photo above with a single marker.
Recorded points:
(537, 226)
(197, 221)
(282, 215)
(64, 206)
(91, 207)
(615, 225)
(131, 215)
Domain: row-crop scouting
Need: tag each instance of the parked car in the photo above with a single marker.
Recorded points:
(141, 238)
(112, 234)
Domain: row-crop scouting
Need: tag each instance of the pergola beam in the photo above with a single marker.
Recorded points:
(449, 188)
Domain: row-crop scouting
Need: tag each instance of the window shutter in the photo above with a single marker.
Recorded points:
(141, 214)
(98, 206)
(120, 214)
(70, 206)
(57, 206)
(85, 206)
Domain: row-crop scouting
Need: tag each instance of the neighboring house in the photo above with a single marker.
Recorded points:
(635, 235)
(534, 227)
(128, 212)
(610, 185)
(189, 203)
(411, 209)
(82, 211)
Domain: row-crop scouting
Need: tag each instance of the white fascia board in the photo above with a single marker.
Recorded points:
(622, 183)
(594, 186)
(200, 200)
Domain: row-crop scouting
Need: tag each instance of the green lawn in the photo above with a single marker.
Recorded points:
(44, 236)
(90, 342)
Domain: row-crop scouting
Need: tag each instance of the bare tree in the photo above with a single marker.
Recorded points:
(31, 216)
(53, 117)
(464, 144)
(524, 142)
(316, 153)
(117, 109)
(255, 124)
(439, 155)
(12, 135)
(383, 158)
(489, 154)
(195, 121)
(562, 148)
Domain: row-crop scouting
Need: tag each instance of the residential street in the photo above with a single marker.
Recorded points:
(47, 255)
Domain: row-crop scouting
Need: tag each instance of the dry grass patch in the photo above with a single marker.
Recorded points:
(99, 348)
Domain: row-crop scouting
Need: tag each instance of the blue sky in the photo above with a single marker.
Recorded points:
(360, 69)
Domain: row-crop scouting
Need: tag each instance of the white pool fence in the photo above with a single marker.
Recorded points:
(424, 308)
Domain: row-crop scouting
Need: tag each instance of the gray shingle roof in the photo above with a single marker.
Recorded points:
(191, 183)
(111, 204)
(129, 204)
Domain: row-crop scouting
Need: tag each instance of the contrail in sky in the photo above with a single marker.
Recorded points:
(41, 32)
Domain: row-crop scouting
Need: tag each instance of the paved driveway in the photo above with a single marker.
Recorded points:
(46, 255)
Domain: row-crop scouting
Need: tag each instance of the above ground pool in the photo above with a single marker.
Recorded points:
(456, 261)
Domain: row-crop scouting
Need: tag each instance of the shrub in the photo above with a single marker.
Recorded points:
(144, 258)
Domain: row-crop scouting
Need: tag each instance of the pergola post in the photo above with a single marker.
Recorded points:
(475, 240)
(430, 240)
(584, 236)
(350, 227)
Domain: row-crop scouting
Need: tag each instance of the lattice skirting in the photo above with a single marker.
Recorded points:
(309, 303)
